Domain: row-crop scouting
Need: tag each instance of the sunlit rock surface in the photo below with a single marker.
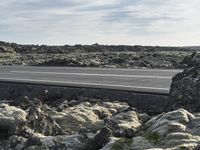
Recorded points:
(93, 125)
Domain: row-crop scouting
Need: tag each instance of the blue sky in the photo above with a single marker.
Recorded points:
(129, 22)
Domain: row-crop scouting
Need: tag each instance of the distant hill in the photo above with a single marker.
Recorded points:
(18, 48)
(192, 47)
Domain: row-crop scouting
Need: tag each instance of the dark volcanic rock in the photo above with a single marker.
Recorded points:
(185, 90)
(98, 56)
(34, 125)
(39, 119)
(101, 138)
(191, 60)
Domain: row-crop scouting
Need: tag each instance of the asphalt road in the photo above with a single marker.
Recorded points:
(141, 80)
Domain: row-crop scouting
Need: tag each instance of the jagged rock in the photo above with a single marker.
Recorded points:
(180, 139)
(173, 130)
(6, 49)
(115, 107)
(136, 143)
(127, 120)
(3, 144)
(72, 142)
(87, 115)
(37, 148)
(95, 62)
(11, 118)
(195, 125)
(184, 91)
(124, 124)
(94, 100)
(47, 141)
(26, 103)
(165, 123)
(15, 142)
(40, 121)
(198, 147)
(144, 117)
(95, 125)
(102, 137)
(89, 141)
(72, 103)
(77, 117)
(34, 140)
(191, 60)
(104, 56)
(62, 106)
(6, 101)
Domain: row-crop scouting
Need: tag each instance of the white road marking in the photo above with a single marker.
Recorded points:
(88, 74)
(85, 83)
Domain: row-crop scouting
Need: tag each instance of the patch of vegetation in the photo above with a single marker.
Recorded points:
(121, 144)
(183, 148)
(152, 137)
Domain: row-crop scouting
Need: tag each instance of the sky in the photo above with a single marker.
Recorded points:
(108, 22)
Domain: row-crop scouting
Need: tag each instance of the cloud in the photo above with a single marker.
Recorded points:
(146, 22)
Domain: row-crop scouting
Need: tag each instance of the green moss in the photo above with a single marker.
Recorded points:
(183, 148)
(153, 137)
(121, 144)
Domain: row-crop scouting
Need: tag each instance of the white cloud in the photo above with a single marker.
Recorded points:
(147, 22)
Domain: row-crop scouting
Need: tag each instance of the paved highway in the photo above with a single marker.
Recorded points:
(141, 80)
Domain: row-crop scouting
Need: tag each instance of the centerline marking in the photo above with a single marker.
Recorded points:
(88, 74)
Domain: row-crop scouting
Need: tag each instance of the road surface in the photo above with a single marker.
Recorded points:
(140, 80)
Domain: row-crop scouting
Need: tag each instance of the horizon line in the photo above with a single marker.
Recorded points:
(82, 44)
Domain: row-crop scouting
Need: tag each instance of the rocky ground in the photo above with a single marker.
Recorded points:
(98, 56)
(109, 60)
(185, 90)
(93, 125)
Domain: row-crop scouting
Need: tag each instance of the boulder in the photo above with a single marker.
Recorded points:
(115, 107)
(174, 130)
(191, 60)
(184, 92)
(39, 120)
(70, 142)
(175, 121)
(83, 142)
(102, 137)
(144, 117)
(181, 139)
(124, 124)
(11, 118)
(16, 142)
(136, 143)
(77, 117)
(195, 125)
(127, 120)
(87, 115)
(72, 103)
